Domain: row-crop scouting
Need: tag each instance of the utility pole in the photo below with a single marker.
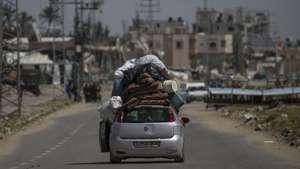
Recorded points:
(10, 7)
(205, 4)
(63, 33)
(1, 54)
(238, 44)
(149, 8)
(18, 60)
(208, 18)
(79, 7)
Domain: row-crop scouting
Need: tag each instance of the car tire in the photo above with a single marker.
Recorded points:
(180, 158)
(103, 128)
(114, 159)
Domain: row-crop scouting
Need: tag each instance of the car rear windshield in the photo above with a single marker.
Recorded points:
(146, 115)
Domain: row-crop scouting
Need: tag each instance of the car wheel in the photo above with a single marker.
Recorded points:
(103, 137)
(180, 158)
(114, 159)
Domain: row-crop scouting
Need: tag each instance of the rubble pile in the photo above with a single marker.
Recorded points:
(282, 120)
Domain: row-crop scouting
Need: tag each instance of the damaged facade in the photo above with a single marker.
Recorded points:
(218, 40)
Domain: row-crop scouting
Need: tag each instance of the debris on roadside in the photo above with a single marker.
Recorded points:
(280, 119)
(11, 123)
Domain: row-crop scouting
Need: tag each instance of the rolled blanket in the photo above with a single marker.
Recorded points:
(142, 89)
(146, 81)
(131, 103)
(154, 102)
(144, 76)
(151, 96)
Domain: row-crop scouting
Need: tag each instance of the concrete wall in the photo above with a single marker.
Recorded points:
(180, 45)
(213, 44)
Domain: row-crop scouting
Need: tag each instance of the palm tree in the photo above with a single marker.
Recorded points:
(8, 21)
(25, 21)
(50, 15)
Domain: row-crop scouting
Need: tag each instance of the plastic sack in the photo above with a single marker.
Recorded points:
(150, 59)
(105, 111)
(117, 87)
(119, 73)
(151, 69)
(170, 86)
(129, 76)
(115, 102)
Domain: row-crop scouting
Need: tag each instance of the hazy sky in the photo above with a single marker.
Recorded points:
(284, 13)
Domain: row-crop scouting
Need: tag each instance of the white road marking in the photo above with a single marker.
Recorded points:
(24, 163)
(32, 160)
(65, 139)
(77, 129)
(15, 167)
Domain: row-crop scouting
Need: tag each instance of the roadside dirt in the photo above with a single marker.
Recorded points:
(9, 144)
(214, 121)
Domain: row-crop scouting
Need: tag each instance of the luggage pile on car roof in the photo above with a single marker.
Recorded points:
(145, 81)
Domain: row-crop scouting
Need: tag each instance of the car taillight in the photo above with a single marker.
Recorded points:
(171, 115)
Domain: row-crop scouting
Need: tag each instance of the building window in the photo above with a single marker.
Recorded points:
(223, 43)
(231, 29)
(150, 44)
(212, 46)
(179, 44)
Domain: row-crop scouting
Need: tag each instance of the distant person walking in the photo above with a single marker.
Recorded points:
(68, 88)
(74, 91)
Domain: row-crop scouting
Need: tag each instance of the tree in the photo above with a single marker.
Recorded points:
(50, 15)
(86, 30)
(8, 21)
(106, 32)
(99, 30)
(25, 21)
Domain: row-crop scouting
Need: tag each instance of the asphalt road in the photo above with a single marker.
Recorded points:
(71, 142)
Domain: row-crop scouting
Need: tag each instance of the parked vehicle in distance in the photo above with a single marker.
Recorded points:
(147, 131)
(193, 91)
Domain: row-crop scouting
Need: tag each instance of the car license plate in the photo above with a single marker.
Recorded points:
(146, 144)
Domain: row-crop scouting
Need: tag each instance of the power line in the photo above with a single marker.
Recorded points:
(149, 8)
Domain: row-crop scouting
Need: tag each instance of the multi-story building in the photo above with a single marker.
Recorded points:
(232, 20)
(169, 38)
(218, 40)
(212, 50)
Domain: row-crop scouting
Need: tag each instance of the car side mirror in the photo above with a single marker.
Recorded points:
(185, 120)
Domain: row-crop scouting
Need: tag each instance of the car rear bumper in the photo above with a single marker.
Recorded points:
(124, 148)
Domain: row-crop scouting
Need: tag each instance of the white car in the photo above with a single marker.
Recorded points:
(193, 91)
(148, 131)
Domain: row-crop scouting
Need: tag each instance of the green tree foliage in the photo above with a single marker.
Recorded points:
(95, 32)
(8, 21)
(50, 15)
(25, 20)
